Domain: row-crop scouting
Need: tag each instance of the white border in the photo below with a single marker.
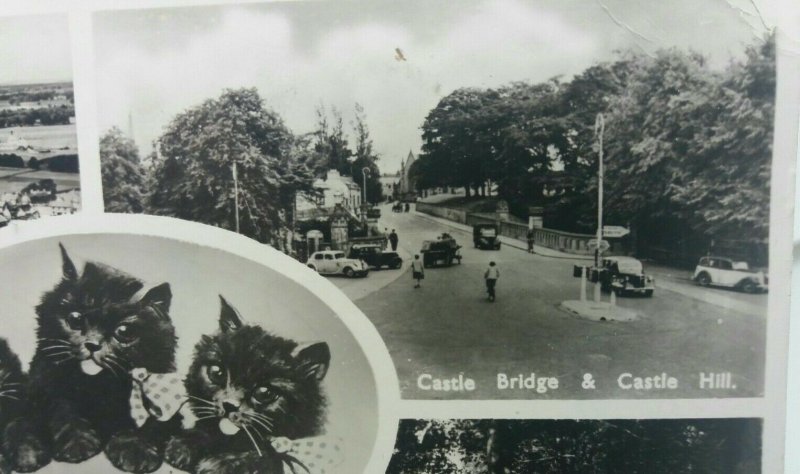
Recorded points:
(385, 377)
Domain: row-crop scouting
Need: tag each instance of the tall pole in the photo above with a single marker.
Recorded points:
(599, 128)
(236, 196)
(364, 172)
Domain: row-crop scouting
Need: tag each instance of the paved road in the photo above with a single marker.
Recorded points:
(447, 329)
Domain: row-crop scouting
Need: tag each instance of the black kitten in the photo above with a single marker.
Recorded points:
(248, 387)
(12, 384)
(92, 331)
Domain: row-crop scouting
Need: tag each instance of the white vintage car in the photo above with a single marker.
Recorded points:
(723, 271)
(334, 262)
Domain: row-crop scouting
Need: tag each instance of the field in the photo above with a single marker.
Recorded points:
(53, 137)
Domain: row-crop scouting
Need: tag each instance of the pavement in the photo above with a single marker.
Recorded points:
(447, 329)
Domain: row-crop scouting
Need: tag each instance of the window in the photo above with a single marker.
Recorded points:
(338, 255)
(328, 256)
(724, 264)
(318, 256)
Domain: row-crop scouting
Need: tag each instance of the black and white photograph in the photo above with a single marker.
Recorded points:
(528, 199)
(657, 446)
(39, 172)
(136, 353)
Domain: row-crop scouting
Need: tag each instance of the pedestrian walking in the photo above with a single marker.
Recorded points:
(393, 239)
(530, 240)
(407, 207)
(491, 276)
(417, 270)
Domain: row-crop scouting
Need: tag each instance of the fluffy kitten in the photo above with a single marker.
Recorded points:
(12, 384)
(92, 330)
(247, 387)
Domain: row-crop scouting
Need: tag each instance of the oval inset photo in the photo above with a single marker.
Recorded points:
(153, 354)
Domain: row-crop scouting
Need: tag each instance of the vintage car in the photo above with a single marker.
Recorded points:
(334, 262)
(373, 213)
(375, 256)
(486, 236)
(442, 251)
(723, 271)
(625, 275)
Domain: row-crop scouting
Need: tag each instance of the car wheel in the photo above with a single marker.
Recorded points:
(703, 279)
(648, 293)
(748, 286)
(397, 265)
(348, 272)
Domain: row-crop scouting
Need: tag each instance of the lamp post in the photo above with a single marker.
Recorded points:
(599, 128)
(364, 173)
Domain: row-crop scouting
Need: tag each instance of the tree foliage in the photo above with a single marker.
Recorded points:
(713, 446)
(122, 173)
(687, 149)
(193, 171)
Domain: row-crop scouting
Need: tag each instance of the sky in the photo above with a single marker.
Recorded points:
(153, 64)
(38, 47)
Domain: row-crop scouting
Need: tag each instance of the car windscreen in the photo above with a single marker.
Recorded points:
(338, 255)
(630, 266)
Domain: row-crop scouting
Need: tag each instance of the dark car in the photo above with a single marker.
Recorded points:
(375, 256)
(442, 251)
(625, 275)
(373, 213)
(485, 236)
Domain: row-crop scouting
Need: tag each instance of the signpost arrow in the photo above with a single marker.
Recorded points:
(614, 231)
(592, 245)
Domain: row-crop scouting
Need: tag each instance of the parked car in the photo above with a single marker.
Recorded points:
(334, 262)
(442, 251)
(485, 236)
(723, 271)
(625, 275)
(375, 256)
(373, 213)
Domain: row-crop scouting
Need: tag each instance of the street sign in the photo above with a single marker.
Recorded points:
(614, 231)
(592, 245)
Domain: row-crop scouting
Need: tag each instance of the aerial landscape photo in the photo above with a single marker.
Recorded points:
(39, 172)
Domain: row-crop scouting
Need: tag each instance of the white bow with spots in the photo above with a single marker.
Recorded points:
(319, 455)
(160, 396)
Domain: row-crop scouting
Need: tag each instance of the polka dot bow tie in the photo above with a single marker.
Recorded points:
(318, 455)
(160, 396)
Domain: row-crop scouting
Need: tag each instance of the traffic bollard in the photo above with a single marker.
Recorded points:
(613, 297)
(583, 284)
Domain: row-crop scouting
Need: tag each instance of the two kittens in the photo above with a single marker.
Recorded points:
(96, 329)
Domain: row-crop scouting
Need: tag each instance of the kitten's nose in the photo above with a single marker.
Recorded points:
(230, 406)
(91, 346)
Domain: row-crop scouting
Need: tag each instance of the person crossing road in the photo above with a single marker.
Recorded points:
(491, 276)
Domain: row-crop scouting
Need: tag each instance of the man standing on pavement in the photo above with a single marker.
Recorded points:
(417, 269)
(530, 240)
(393, 239)
(491, 276)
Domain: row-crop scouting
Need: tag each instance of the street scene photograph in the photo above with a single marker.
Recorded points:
(39, 174)
(528, 199)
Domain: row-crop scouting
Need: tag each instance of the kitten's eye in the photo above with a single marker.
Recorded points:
(125, 333)
(216, 374)
(264, 395)
(75, 321)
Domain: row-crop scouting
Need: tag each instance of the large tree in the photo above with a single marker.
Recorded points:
(193, 170)
(122, 173)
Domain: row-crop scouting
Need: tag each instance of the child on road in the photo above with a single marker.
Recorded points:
(491, 276)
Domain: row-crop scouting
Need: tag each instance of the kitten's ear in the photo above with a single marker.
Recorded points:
(314, 359)
(159, 297)
(67, 267)
(229, 318)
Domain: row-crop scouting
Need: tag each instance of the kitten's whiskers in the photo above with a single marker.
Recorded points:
(255, 445)
(207, 402)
